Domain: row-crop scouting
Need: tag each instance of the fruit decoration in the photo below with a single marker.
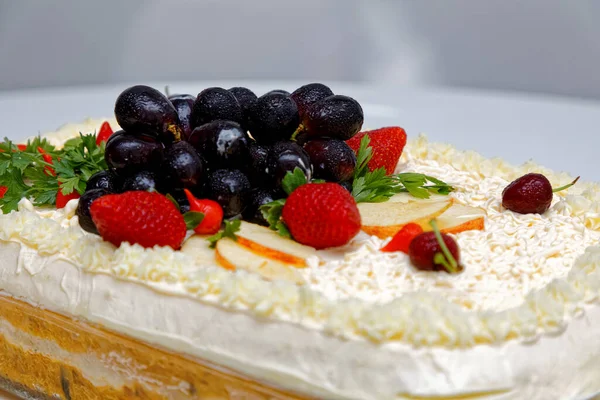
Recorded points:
(435, 251)
(104, 133)
(214, 104)
(402, 240)
(212, 214)
(530, 194)
(184, 103)
(387, 144)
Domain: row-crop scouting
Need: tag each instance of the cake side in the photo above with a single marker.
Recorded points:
(46, 237)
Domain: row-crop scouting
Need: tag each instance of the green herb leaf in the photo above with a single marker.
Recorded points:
(172, 200)
(231, 227)
(192, 219)
(292, 180)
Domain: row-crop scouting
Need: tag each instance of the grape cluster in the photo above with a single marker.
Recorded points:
(228, 145)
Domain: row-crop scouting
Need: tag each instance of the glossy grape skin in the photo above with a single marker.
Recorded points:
(216, 104)
(337, 116)
(246, 98)
(229, 188)
(309, 94)
(258, 171)
(274, 117)
(223, 144)
(183, 104)
(347, 185)
(83, 209)
(257, 198)
(103, 180)
(126, 154)
(182, 166)
(141, 180)
(280, 91)
(286, 156)
(332, 159)
(181, 199)
(144, 110)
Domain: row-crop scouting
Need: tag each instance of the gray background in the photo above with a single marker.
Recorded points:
(544, 46)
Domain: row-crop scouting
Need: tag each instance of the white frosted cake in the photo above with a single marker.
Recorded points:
(520, 321)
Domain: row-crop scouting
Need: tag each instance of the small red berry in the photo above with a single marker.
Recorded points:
(213, 214)
(401, 240)
(146, 218)
(321, 215)
(104, 133)
(423, 250)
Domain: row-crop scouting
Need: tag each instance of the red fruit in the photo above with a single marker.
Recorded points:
(401, 240)
(321, 215)
(387, 144)
(63, 199)
(530, 194)
(22, 147)
(424, 247)
(146, 218)
(104, 133)
(3, 190)
(213, 214)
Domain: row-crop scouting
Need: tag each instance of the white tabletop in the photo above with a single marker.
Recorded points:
(560, 133)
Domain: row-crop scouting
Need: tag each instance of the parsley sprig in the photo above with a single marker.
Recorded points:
(376, 186)
(25, 173)
(231, 227)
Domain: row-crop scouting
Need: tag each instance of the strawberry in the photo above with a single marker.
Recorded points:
(401, 240)
(146, 218)
(387, 144)
(63, 199)
(3, 190)
(321, 215)
(213, 214)
(104, 133)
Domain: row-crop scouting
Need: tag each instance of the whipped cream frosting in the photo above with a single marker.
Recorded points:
(492, 330)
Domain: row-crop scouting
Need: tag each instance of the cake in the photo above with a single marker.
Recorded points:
(263, 316)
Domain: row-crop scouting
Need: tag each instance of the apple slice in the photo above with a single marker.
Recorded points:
(460, 218)
(270, 244)
(199, 248)
(386, 219)
(232, 255)
(406, 197)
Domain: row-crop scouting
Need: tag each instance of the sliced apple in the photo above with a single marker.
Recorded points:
(406, 197)
(199, 248)
(460, 218)
(268, 243)
(386, 219)
(232, 255)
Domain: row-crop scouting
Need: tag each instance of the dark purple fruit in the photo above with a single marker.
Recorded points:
(347, 185)
(309, 94)
(144, 110)
(529, 194)
(339, 117)
(83, 209)
(424, 247)
(274, 117)
(258, 170)
(141, 180)
(246, 98)
(280, 91)
(332, 159)
(286, 156)
(183, 104)
(229, 188)
(181, 199)
(126, 154)
(102, 180)
(182, 166)
(214, 104)
(223, 144)
(257, 198)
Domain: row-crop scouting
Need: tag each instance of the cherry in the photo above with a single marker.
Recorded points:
(435, 251)
(530, 194)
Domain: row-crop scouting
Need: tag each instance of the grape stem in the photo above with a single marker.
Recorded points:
(446, 259)
(558, 189)
(167, 91)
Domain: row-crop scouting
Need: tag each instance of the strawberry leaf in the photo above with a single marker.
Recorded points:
(193, 219)
(272, 214)
(231, 227)
(172, 200)
(292, 180)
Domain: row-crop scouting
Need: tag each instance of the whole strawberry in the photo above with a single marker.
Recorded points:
(387, 144)
(321, 215)
(146, 218)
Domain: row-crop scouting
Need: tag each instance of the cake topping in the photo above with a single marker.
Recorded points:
(435, 251)
(145, 218)
(104, 133)
(401, 240)
(183, 104)
(530, 194)
(142, 110)
(387, 144)
(339, 117)
(212, 214)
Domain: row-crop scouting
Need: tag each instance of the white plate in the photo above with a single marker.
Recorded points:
(560, 133)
